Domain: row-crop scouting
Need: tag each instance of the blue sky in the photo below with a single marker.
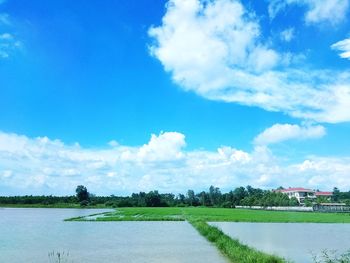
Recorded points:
(232, 93)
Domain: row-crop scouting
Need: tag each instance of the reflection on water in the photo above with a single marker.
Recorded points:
(28, 235)
(295, 241)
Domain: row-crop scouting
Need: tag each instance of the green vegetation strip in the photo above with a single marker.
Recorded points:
(220, 215)
(232, 248)
(264, 216)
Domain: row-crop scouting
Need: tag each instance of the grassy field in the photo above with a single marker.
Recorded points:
(221, 214)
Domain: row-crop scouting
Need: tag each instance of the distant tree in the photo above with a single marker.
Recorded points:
(168, 199)
(153, 199)
(181, 199)
(215, 195)
(336, 194)
(293, 201)
(238, 194)
(203, 198)
(308, 202)
(250, 190)
(191, 197)
(82, 193)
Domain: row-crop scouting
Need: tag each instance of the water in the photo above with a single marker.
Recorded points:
(294, 241)
(28, 235)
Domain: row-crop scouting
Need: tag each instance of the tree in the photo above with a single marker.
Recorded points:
(153, 199)
(204, 199)
(82, 194)
(336, 194)
(191, 197)
(215, 195)
(238, 194)
(181, 199)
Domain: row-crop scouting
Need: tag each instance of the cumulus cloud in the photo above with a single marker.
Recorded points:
(44, 166)
(215, 49)
(166, 146)
(344, 47)
(330, 11)
(283, 132)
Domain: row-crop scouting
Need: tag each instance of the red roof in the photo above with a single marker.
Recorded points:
(295, 189)
(324, 193)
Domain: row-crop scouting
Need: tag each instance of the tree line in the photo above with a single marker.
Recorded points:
(246, 196)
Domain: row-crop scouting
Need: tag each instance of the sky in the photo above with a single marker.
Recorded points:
(127, 96)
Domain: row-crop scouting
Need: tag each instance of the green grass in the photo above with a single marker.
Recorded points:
(232, 248)
(245, 215)
(222, 214)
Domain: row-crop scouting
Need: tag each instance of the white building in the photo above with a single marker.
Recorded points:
(299, 193)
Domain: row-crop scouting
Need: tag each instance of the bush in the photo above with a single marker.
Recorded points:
(84, 203)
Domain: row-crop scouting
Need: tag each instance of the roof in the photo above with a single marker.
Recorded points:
(324, 193)
(295, 189)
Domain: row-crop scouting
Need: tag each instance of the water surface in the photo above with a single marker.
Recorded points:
(29, 234)
(294, 241)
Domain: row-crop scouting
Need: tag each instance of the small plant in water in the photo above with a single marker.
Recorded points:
(59, 257)
(331, 256)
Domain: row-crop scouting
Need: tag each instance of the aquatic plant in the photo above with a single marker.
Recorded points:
(332, 256)
(59, 257)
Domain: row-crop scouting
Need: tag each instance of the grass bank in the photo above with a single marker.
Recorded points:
(220, 215)
(232, 248)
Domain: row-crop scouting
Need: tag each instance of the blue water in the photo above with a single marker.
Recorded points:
(29, 235)
(294, 241)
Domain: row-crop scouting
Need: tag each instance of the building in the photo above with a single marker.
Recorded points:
(299, 193)
(302, 193)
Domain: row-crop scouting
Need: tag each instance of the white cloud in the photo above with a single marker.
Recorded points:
(344, 47)
(166, 146)
(8, 42)
(4, 19)
(215, 49)
(330, 11)
(44, 166)
(324, 171)
(287, 35)
(283, 132)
